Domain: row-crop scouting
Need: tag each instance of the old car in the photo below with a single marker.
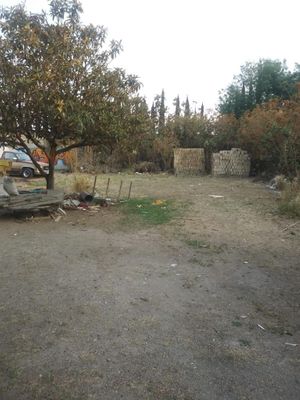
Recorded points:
(22, 164)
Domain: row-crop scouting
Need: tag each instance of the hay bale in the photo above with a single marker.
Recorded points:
(189, 161)
(234, 162)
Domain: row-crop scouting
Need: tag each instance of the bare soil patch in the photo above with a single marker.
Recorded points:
(104, 306)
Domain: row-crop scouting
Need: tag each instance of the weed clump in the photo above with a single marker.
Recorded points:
(289, 202)
(81, 183)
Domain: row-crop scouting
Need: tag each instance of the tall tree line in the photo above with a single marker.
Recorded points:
(258, 83)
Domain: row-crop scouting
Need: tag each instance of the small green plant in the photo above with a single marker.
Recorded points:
(150, 211)
(194, 260)
(236, 323)
(196, 244)
(244, 342)
(199, 245)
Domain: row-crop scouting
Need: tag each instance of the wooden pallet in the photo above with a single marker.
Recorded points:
(32, 201)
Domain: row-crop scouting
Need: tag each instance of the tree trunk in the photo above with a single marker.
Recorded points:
(50, 176)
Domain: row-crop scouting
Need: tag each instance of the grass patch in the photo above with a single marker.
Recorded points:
(194, 260)
(202, 245)
(240, 354)
(36, 182)
(196, 244)
(244, 342)
(291, 208)
(150, 211)
(236, 323)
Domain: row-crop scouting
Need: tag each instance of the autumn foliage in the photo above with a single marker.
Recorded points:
(271, 133)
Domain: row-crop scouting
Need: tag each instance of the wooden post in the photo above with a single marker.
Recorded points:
(121, 184)
(129, 192)
(107, 187)
(94, 187)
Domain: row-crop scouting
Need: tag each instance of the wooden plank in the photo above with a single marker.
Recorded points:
(94, 187)
(32, 200)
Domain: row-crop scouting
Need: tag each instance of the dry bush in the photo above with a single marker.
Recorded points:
(86, 160)
(271, 134)
(71, 159)
(81, 183)
(145, 166)
(163, 149)
(280, 182)
(290, 198)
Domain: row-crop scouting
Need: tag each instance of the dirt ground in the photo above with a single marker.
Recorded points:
(205, 307)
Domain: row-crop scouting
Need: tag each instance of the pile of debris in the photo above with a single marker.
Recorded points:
(14, 200)
(54, 202)
(83, 201)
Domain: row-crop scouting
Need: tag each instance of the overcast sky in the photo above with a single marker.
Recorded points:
(193, 47)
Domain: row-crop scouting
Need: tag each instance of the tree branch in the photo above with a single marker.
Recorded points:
(28, 151)
(72, 146)
(36, 142)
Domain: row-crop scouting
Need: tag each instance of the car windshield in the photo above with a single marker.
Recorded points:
(23, 156)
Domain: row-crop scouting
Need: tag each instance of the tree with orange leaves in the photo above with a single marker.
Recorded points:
(271, 133)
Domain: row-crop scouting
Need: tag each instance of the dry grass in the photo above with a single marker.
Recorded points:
(81, 183)
(290, 198)
(240, 354)
(280, 182)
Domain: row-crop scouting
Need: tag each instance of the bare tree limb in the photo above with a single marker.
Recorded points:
(28, 151)
(36, 143)
(71, 146)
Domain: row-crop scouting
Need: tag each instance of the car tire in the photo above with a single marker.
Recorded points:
(27, 173)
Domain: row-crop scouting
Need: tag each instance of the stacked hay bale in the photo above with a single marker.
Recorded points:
(234, 162)
(189, 161)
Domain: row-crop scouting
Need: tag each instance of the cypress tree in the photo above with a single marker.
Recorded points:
(177, 106)
(202, 110)
(187, 109)
(162, 114)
